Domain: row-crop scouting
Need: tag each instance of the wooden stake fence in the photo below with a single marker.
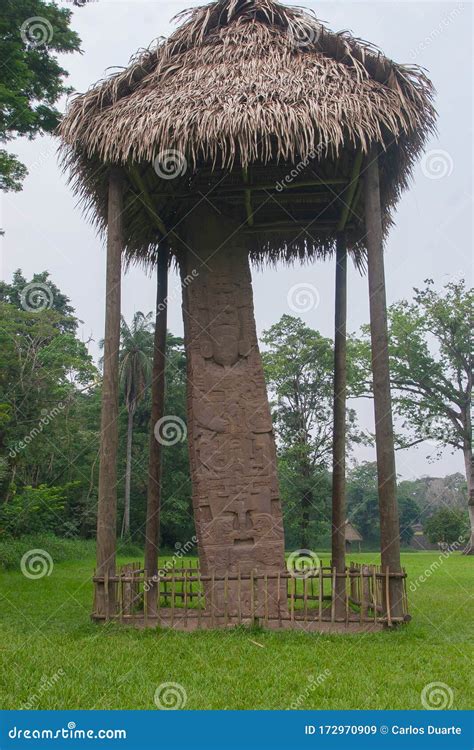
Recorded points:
(188, 599)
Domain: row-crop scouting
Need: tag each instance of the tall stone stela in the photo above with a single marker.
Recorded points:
(236, 501)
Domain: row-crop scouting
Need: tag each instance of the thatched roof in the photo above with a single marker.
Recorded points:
(248, 83)
(351, 533)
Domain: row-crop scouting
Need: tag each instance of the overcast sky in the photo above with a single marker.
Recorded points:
(433, 234)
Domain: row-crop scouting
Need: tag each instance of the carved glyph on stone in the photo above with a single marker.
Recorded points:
(232, 449)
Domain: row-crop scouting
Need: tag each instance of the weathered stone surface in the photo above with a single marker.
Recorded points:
(232, 449)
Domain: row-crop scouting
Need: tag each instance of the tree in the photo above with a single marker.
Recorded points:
(31, 79)
(431, 371)
(363, 500)
(135, 362)
(409, 513)
(298, 364)
(176, 514)
(446, 526)
(47, 422)
(39, 294)
(363, 506)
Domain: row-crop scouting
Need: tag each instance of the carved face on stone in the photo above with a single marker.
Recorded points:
(226, 344)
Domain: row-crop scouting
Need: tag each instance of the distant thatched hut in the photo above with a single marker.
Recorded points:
(419, 539)
(352, 535)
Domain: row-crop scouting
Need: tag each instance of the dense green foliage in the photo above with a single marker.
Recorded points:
(431, 370)
(50, 417)
(299, 364)
(447, 526)
(48, 411)
(32, 33)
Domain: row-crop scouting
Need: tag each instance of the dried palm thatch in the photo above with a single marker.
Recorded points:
(247, 83)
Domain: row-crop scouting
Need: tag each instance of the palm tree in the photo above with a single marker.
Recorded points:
(136, 361)
(136, 358)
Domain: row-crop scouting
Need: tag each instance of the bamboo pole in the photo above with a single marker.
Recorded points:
(374, 592)
(387, 487)
(212, 600)
(266, 598)
(94, 602)
(305, 598)
(152, 533)
(339, 427)
(333, 598)
(252, 596)
(173, 596)
(185, 599)
(239, 189)
(239, 595)
(226, 591)
(387, 596)
(279, 598)
(321, 593)
(107, 503)
(405, 594)
(158, 597)
(199, 601)
(120, 596)
(107, 591)
(347, 586)
(145, 599)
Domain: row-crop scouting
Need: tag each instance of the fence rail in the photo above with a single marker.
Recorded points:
(186, 598)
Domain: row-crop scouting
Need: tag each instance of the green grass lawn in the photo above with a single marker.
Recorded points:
(50, 649)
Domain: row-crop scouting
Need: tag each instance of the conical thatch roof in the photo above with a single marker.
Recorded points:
(351, 533)
(248, 83)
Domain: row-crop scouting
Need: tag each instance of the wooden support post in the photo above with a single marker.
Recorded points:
(107, 505)
(152, 533)
(387, 484)
(339, 429)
